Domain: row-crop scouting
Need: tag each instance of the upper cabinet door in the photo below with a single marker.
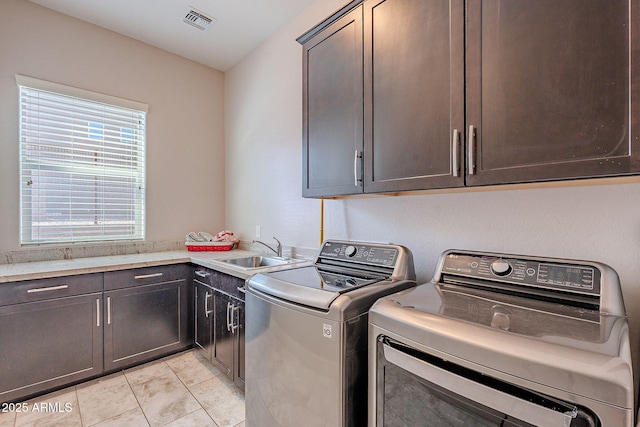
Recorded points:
(414, 94)
(332, 109)
(548, 90)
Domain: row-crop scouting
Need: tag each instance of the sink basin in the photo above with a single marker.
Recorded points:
(259, 261)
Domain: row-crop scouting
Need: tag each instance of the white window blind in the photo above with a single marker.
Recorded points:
(82, 165)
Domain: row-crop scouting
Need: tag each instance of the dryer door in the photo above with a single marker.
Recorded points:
(413, 386)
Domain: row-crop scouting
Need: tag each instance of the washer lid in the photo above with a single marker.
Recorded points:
(311, 286)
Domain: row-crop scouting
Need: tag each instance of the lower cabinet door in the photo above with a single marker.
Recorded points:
(203, 319)
(223, 338)
(239, 376)
(144, 322)
(49, 343)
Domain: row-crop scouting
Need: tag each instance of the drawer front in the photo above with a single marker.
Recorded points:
(50, 288)
(231, 285)
(220, 281)
(144, 276)
(206, 276)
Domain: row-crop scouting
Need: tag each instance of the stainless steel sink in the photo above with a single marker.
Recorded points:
(259, 261)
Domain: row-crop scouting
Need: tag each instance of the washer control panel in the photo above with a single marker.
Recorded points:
(583, 279)
(361, 253)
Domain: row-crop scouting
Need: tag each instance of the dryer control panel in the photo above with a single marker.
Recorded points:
(543, 274)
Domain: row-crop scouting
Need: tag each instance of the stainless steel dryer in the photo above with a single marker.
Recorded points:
(503, 340)
(306, 334)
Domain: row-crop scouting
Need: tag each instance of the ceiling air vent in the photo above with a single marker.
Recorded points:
(197, 19)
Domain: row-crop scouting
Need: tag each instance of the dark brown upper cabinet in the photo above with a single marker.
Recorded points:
(549, 90)
(332, 106)
(414, 94)
(404, 95)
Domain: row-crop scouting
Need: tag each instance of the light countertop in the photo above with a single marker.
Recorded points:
(45, 269)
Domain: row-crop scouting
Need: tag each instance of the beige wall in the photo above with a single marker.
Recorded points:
(185, 135)
(263, 125)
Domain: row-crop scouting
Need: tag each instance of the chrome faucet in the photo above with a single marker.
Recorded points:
(278, 249)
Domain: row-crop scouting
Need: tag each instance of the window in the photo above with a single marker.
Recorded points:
(82, 165)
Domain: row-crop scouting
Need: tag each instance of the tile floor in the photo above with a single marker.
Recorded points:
(182, 390)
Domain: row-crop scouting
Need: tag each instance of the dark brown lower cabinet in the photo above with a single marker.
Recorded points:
(49, 343)
(58, 331)
(240, 340)
(203, 338)
(219, 322)
(144, 322)
(223, 335)
(228, 337)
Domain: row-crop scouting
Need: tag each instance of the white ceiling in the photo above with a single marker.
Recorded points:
(240, 26)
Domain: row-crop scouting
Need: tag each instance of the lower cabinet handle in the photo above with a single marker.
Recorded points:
(455, 147)
(472, 150)
(206, 304)
(235, 321)
(207, 312)
(50, 288)
(202, 273)
(229, 316)
(98, 312)
(147, 276)
(108, 310)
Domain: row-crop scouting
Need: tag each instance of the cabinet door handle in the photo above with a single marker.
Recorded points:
(234, 318)
(202, 273)
(472, 150)
(98, 312)
(356, 180)
(455, 148)
(207, 312)
(50, 288)
(147, 276)
(229, 316)
(241, 289)
(108, 310)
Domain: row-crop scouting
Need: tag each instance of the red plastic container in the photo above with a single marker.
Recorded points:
(208, 246)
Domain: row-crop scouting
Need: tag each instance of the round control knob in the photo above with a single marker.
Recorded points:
(350, 251)
(500, 267)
